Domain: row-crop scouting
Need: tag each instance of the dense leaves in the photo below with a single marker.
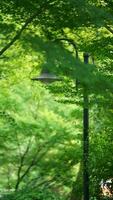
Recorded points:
(41, 126)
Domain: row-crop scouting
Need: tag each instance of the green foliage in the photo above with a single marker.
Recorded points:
(36, 194)
(41, 133)
(33, 148)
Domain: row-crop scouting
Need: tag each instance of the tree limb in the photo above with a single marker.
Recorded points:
(18, 34)
(71, 42)
(16, 37)
(34, 160)
(21, 165)
(109, 29)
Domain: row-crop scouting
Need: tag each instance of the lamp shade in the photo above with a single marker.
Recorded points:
(46, 77)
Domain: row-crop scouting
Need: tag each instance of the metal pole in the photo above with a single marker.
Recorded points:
(85, 139)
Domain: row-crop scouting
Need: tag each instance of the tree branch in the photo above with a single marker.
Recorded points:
(21, 165)
(109, 29)
(16, 37)
(34, 160)
(70, 41)
(18, 34)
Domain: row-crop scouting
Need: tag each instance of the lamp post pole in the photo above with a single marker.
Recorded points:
(85, 138)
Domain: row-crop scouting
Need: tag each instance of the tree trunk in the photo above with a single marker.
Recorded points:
(77, 188)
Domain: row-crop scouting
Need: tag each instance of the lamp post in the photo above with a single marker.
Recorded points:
(47, 77)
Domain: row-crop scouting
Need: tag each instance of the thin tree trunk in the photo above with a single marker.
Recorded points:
(77, 188)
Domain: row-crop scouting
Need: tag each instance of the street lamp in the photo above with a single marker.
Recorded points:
(47, 77)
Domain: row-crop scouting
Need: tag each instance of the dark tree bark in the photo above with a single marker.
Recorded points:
(109, 29)
(77, 188)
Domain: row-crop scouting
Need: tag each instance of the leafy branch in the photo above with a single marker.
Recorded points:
(18, 34)
(22, 158)
(36, 157)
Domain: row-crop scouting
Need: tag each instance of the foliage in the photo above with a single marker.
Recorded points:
(41, 130)
(37, 194)
(32, 143)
